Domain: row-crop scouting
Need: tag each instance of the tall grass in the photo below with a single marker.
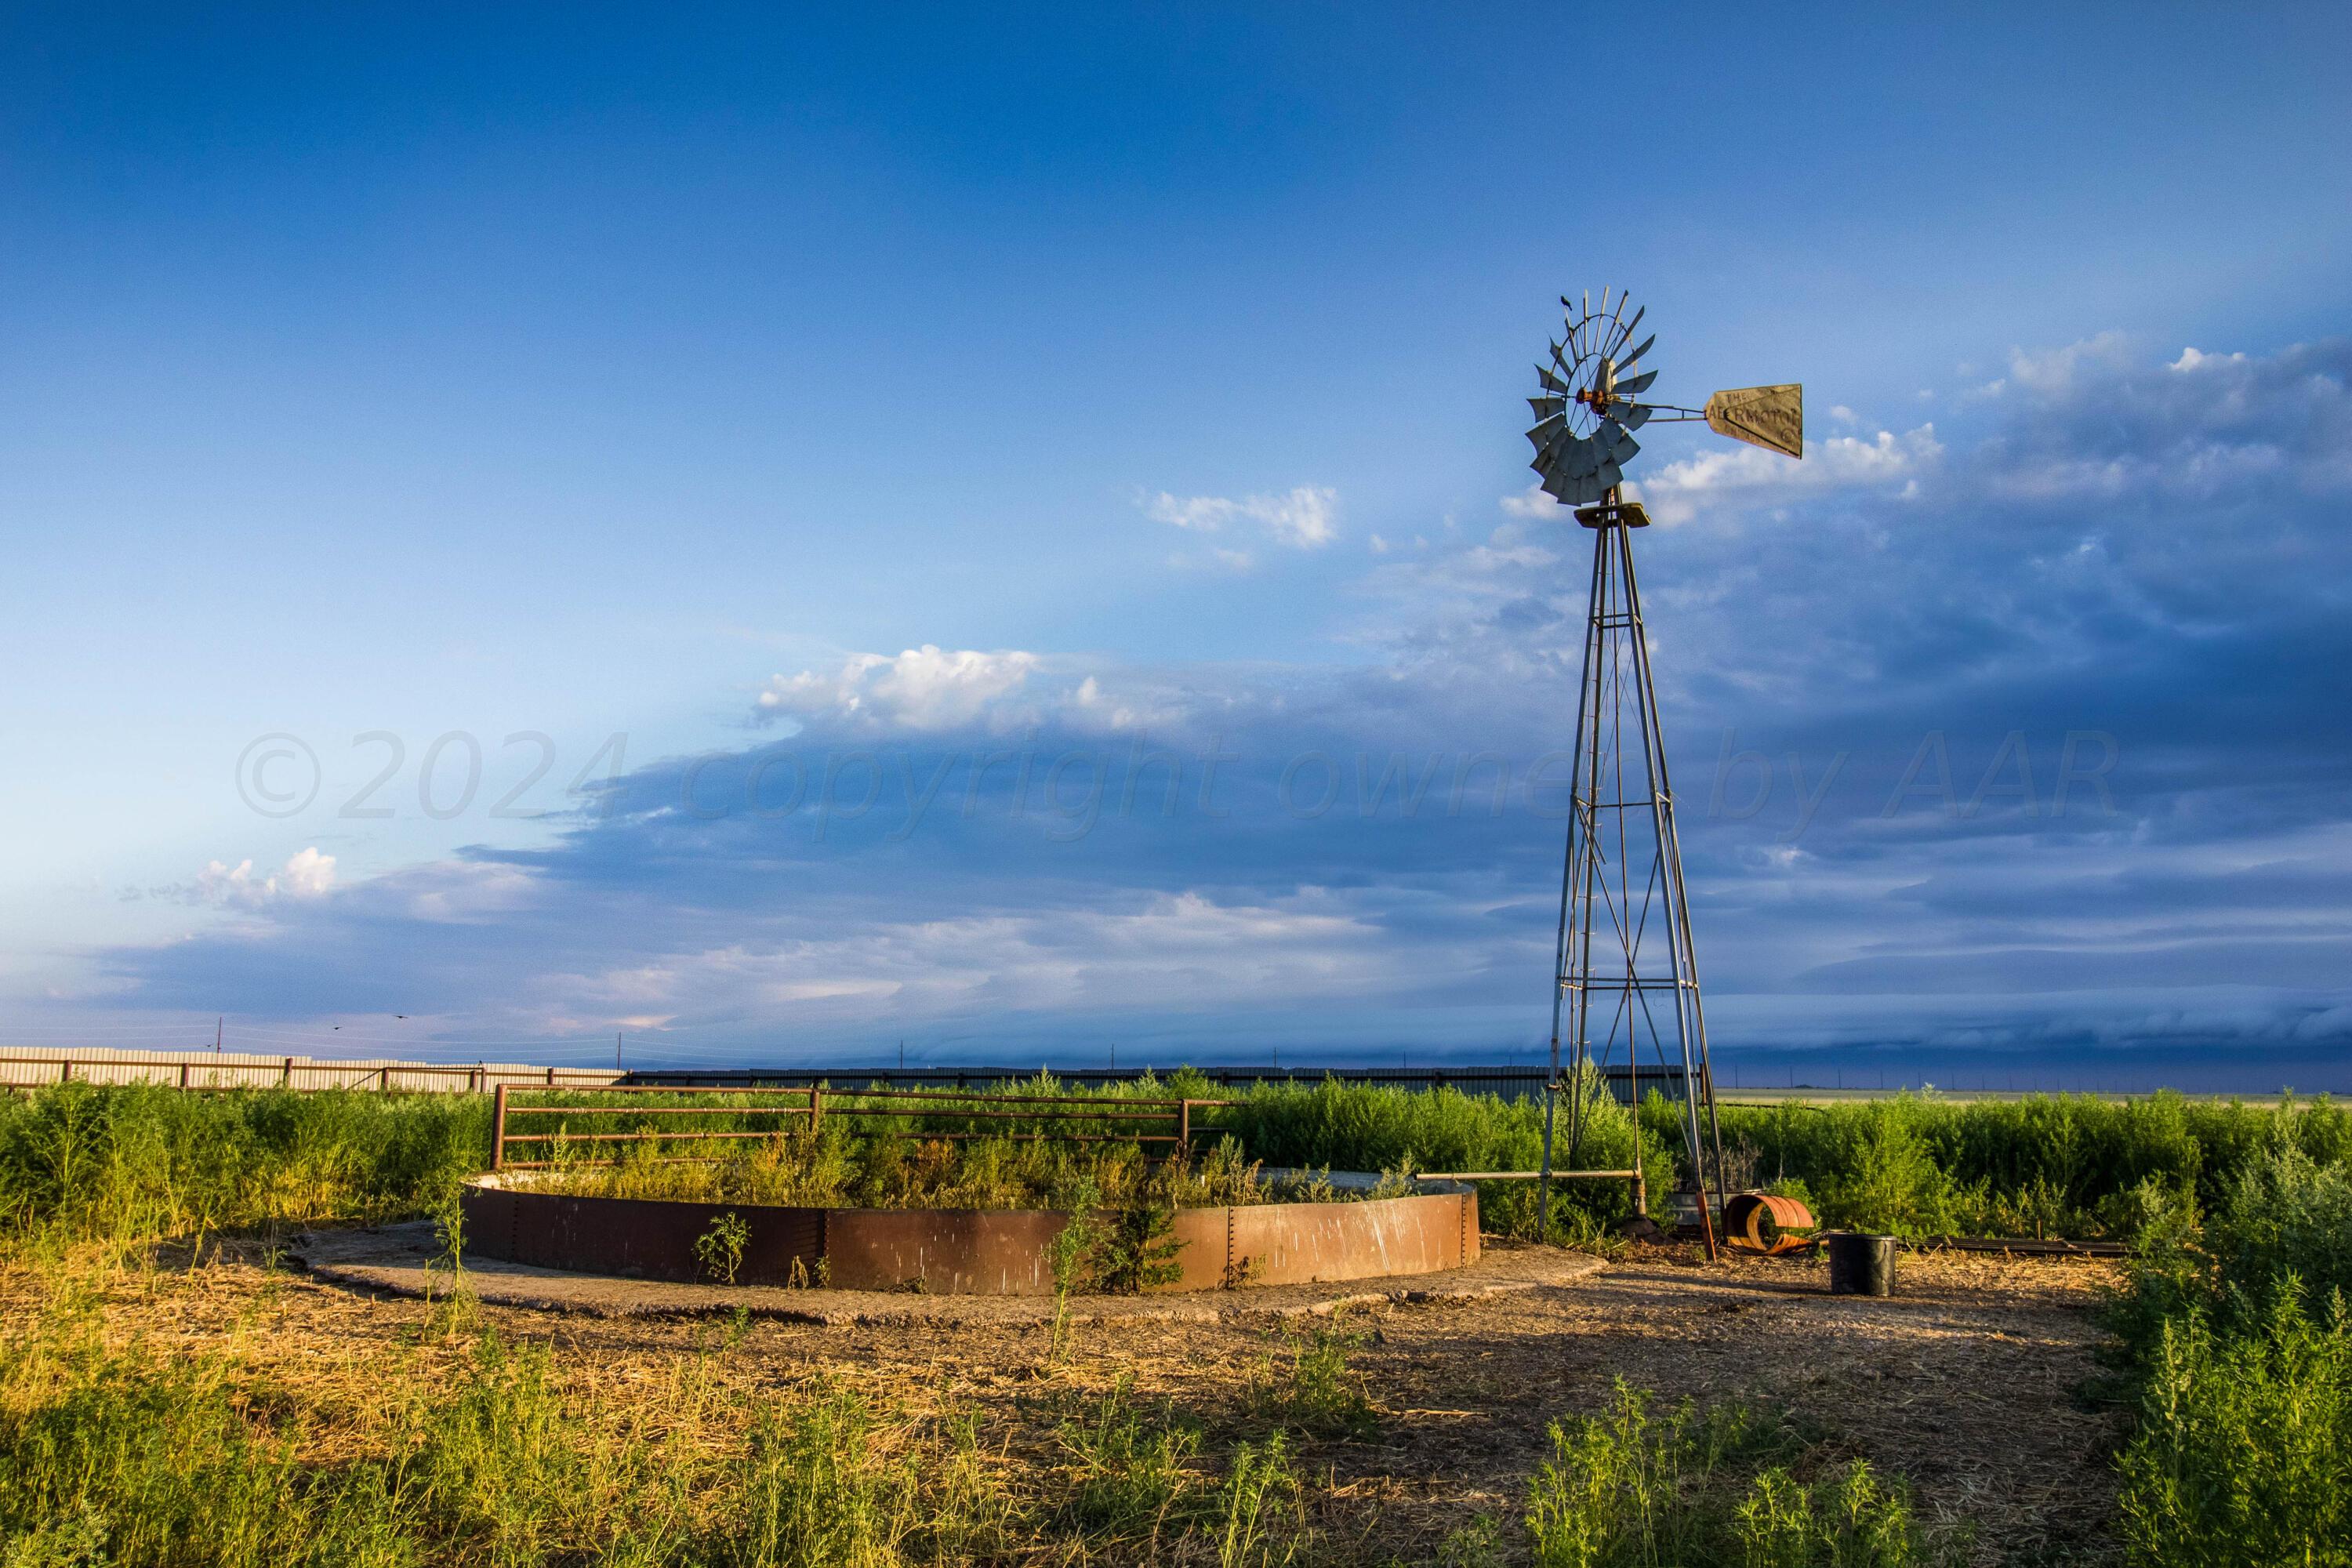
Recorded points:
(1632, 1489)
(836, 1167)
(2048, 1164)
(140, 1161)
(1365, 1127)
(145, 1161)
(474, 1452)
(2239, 1346)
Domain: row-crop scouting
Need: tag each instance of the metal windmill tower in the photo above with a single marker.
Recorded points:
(1626, 976)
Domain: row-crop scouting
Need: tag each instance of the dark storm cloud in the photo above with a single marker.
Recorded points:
(2048, 698)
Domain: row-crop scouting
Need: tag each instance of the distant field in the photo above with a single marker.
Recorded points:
(1814, 1094)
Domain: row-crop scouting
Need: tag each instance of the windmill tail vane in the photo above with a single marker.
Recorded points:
(1626, 975)
(1590, 403)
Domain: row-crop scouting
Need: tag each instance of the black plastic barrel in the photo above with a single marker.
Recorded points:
(1860, 1265)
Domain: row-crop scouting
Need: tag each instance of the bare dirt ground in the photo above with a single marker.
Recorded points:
(1965, 1381)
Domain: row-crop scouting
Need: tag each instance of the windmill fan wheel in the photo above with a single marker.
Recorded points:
(1585, 415)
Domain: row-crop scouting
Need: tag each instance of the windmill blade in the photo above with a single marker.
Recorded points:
(1636, 357)
(1548, 456)
(1544, 407)
(1608, 475)
(1622, 445)
(1546, 427)
(1772, 417)
(1601, 335)
(1553, 382)
(1632, 416)
(1626, 332)
(1634, 385)
(1568, 460)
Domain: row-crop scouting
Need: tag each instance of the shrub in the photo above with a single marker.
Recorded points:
(1629, 1489)
(2244, 1451)
(2240, 1352)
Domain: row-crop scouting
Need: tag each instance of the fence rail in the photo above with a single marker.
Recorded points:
(205, 1071)
(24, 1068)
(810, 1105)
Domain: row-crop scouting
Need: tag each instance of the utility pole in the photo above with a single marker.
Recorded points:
(219, 1024)
(616, 1050)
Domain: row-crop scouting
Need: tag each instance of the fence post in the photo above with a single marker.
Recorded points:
(816, 1107)
(499, 1129)
(66, 1074)
(183, 1075)
(286, 1078)
(1184, 1125)
(550, 1077)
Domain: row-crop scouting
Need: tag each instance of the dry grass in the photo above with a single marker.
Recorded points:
(1964, 1383)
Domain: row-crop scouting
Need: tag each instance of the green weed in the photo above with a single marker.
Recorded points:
(2239, 1349)
(1309, 1388)
(1261, 1515)
(719, 1249)
(1631, 1488)
(1130, 1478)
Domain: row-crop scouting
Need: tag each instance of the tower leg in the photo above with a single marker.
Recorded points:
(1624, 926)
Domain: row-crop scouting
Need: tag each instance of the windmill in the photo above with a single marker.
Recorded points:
(1625, 973)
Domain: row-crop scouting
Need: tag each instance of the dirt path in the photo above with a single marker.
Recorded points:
(1964, 1382)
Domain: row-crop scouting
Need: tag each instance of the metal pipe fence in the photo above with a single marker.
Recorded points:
(1074, 1119)
(1512, 1082)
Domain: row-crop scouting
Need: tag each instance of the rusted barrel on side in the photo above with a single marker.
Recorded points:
(1761, 1222)
(1861, 1264)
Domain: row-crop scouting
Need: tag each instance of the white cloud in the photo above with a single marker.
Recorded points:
(927, 690)
(2190, 359)
(921, 689)
(1529, 502)
(1163, 950)
(2057, 372)
(309, 874)
(306, 875)
(1305, 518)
(1744, 476)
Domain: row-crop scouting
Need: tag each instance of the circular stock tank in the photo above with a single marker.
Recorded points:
(981, 1252)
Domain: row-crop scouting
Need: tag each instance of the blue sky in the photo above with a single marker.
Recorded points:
(410, 373)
